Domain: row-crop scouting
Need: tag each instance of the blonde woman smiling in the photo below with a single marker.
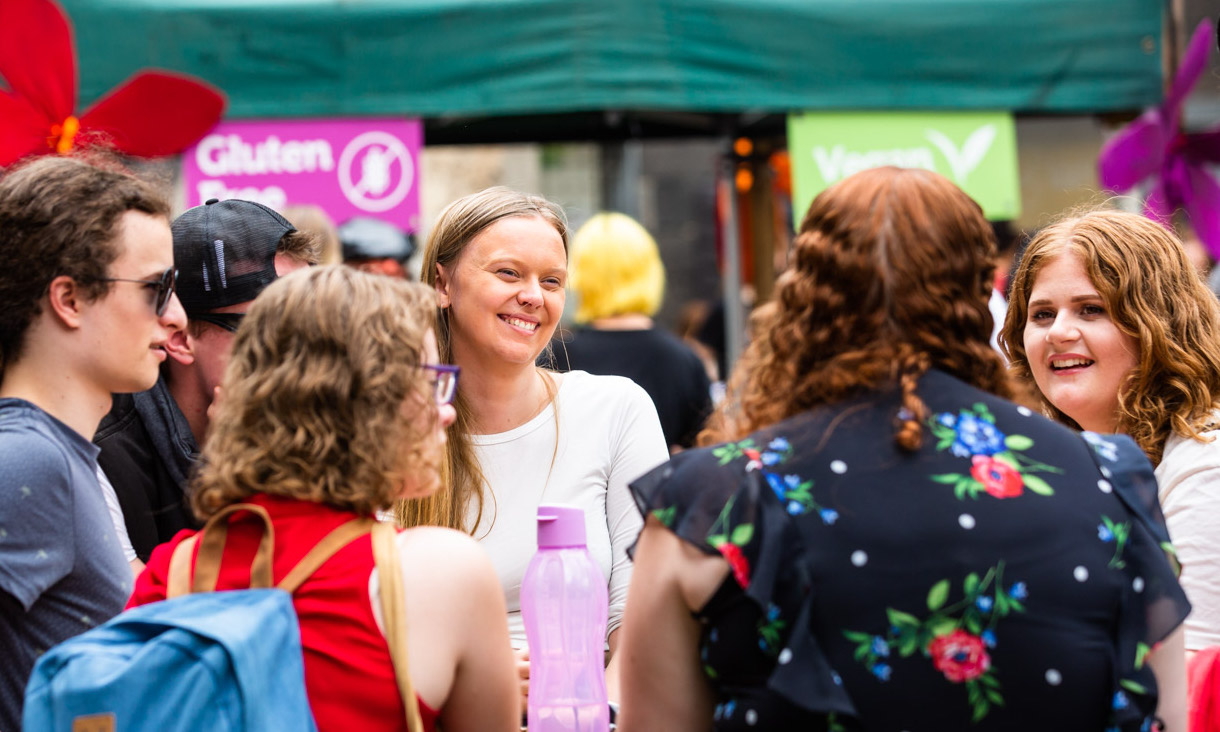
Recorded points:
(523, 435)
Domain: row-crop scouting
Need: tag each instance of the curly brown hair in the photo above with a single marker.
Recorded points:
(457, 226)
(317, 395)
(59, 216)
(891, 274)
(1153, 294)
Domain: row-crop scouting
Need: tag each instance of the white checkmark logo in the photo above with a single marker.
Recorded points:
(963, 162)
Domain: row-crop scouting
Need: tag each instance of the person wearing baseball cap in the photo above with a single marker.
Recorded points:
(226, 253)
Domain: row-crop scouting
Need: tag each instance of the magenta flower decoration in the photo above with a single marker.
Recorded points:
(1154, 147)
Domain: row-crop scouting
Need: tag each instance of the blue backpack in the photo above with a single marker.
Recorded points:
(204, 660)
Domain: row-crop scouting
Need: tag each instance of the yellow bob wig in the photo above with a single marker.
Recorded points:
(615, 269)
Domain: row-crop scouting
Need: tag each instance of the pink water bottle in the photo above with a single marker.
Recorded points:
(563, 603)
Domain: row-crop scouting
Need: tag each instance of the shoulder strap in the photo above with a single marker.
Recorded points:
(179, 580)
(212, 544)
(393, 611)
(338, 538)
(393, 604)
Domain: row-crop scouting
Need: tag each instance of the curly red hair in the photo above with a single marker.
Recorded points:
(891, 275)
(1154, 295)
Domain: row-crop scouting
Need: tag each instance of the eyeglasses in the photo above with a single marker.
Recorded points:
(228, 321)
(165, 287)
(446, 381)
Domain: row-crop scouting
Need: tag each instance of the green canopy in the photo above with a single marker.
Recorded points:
(434, 58)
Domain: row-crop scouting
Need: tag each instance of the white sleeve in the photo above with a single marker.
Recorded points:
(1191, 503)
(116, 515)
(639, 447)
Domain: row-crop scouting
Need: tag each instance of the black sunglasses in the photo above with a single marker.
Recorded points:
(164, 287)
(228, 321)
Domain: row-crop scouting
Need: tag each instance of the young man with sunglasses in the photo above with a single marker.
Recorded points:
(88, 307)
(226, 253)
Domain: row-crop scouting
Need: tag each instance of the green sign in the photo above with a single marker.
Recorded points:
(975, 150)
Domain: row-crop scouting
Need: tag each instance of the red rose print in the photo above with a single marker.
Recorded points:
(741, 567)
(959, 656)
(999, 479)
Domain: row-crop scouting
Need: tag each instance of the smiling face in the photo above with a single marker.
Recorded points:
(125, 333)
(505, 293)
(1078, 356)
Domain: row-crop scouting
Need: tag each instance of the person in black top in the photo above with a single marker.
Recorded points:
(617, 275)
(884, 542)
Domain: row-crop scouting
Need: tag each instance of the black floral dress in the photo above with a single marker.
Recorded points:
(1010, 575)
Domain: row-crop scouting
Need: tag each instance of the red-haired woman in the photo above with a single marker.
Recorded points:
(885, 542)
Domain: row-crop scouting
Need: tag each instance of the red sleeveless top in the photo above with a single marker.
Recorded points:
(348, 673)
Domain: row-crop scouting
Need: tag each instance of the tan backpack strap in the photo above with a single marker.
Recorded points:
(393, 611)
(178, 582)
(338, 538)
(212, 546)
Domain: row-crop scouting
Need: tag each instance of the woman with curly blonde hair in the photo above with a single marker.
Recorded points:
(1115, 327)
(886, 542)
(335, 407)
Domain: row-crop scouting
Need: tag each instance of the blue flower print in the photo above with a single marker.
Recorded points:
(984, 603)
(794, 494)
(976, 437)
(829, 516)
(1147, 725)
(1120, 700)
(882, 671)
(1104, 533)
(1018, 591)
(947, 419)
(724, 711)
(880, 647)
(770, 630)
(777, 484)
(988, 637)
(1101, 446)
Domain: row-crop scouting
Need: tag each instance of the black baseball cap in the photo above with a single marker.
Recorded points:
(225, 253)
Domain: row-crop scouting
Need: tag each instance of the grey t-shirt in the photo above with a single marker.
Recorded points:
(61, 568)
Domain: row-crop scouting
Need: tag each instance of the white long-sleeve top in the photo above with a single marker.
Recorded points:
(1188, 480)
(609, 435)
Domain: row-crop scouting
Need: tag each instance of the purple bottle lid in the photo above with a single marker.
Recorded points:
(560, 526)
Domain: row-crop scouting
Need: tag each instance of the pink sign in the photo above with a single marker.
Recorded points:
(348, 167)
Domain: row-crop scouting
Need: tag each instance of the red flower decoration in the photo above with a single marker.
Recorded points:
(999, 479)
(153, 113)
(741, 567)
(959, 656)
